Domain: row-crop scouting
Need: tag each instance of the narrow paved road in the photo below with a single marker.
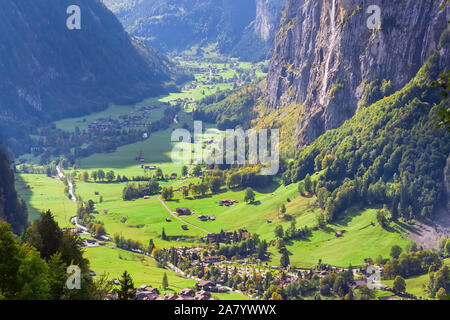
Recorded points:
(173, 214)
(69, 183)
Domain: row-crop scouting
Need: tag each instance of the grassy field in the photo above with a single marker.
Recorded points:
(230, 296)
(45, 193)
(156, 150)
(363, 238)
(416, 285)
(145, 217)
(143, 270)
(113, 112)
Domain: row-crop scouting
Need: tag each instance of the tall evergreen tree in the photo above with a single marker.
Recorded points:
(126, 290)
(284, 260)
(165, 281)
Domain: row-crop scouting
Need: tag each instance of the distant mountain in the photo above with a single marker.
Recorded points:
(242, 28)
(49, 72)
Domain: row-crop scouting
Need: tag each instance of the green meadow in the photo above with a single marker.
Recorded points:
(363, 238)
(144, 218)
(113, 261)
(230, 296)
(416, 285)
(113, 112)
(46, 193)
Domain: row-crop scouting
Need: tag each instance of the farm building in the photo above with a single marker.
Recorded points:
(183, 212)
(187, 292)
(171, 296)
(212, 237)
(245, 234)
(202, 218)
(168, 220)
(205, 285)
(227, 202)
(203, 295)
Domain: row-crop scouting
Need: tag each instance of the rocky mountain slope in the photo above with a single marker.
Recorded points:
(327, 60)
(243, 28)
(48, 71)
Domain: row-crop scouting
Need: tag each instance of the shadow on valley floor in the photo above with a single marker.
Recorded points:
(348, 216)
(267, 189)
(26, 194)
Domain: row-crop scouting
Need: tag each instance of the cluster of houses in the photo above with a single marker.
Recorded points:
(92, 243)
(227, 236)
(145, 292)
(205, 218)
(130, 121)
(184, 211)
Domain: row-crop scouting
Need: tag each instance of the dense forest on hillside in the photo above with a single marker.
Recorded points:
(229, 111)
(12, 210)
(35, 266)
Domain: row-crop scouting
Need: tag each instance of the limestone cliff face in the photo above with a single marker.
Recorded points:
(326, 57)
(267, 18)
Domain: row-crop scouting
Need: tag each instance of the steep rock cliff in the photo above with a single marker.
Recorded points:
(327, 60)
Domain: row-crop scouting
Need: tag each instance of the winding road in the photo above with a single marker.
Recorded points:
(69, 183)
(173, 214)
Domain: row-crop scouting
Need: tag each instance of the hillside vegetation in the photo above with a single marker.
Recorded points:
(389, 153)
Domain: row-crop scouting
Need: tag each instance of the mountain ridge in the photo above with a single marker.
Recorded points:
(52, 72)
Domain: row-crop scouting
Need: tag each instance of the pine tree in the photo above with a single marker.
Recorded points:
(165, 282)
(308, 183)
(126, 290)
(284, 261)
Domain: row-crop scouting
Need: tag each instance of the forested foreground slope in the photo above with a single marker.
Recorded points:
(12, 210)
